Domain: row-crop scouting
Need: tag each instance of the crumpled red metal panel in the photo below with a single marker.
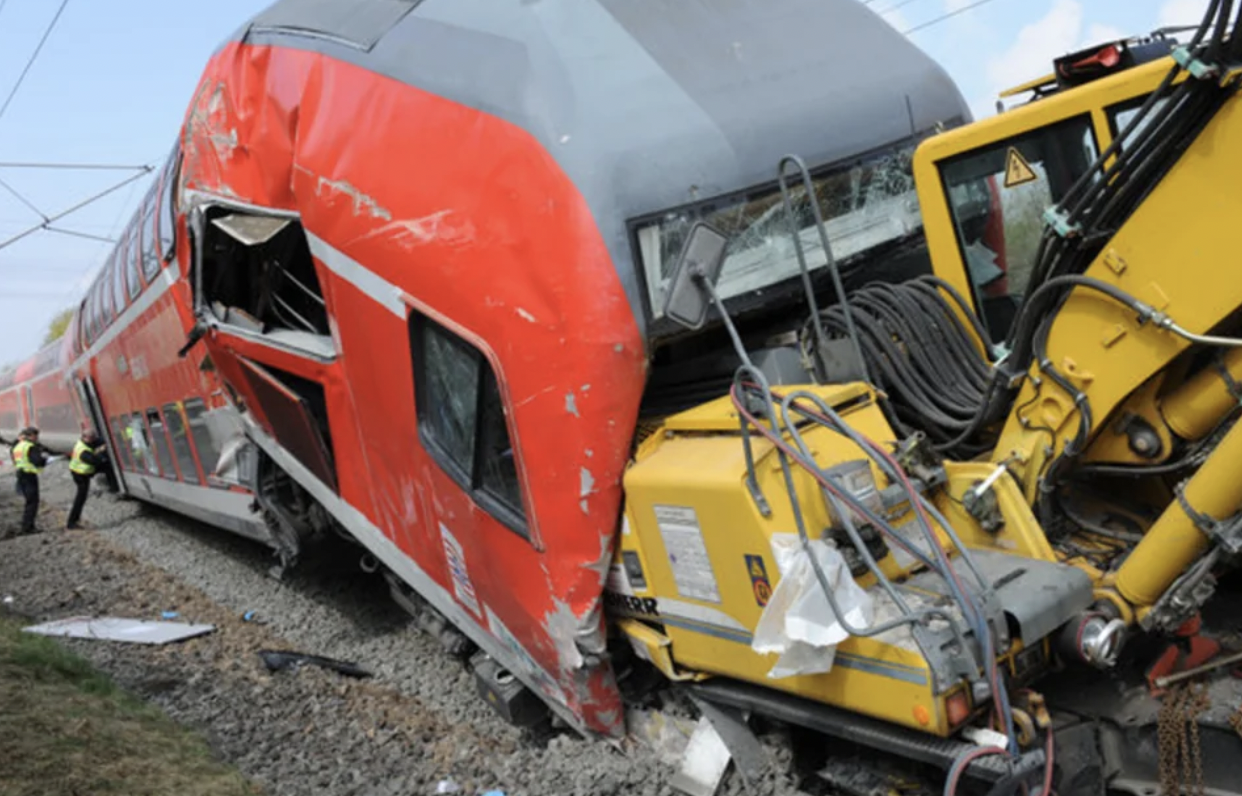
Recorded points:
(472, 220)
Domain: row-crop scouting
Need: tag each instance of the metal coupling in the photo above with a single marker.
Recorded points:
(1095, 640)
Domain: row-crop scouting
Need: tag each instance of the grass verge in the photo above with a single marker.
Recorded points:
(67, 730)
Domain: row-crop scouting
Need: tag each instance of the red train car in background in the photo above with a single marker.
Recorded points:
(34, 393)
(171, 430)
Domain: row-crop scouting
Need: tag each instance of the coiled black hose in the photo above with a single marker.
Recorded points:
(921, 355)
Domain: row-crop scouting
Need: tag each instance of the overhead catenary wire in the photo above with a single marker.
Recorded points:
(73, 166)
(96, 197)
(900, 4)
(19, 197)
(84, 235)
(33, 57)
(944, 17)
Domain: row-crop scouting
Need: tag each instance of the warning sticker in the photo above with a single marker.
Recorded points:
(683, 540)
(456, 558)
(1017, 170)
(759, 582)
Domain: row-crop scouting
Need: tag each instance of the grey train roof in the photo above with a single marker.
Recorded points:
(646, 104)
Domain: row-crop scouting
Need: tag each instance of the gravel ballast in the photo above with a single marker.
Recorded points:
(416, 723)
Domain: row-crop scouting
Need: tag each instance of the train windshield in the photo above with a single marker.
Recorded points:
(865, 205)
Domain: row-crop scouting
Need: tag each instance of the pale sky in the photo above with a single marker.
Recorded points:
(113, 80)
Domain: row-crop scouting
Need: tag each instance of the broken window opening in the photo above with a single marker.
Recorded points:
(258, 274)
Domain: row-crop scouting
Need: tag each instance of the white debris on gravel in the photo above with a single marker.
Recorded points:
(418, 722)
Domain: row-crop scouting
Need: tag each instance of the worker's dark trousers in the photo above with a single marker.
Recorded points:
(83, 483)
(28, 486)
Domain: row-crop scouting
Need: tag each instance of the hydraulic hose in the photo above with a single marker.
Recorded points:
(825, 415)
(921, 355)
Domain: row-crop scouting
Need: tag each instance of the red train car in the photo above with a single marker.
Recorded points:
(35, 394)
(430, 247)
(402, 280)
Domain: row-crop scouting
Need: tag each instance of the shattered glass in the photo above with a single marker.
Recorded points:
(864, 205)
(452, 398)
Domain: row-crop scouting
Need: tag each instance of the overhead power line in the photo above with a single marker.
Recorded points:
(33, 57)
(77, 234)
(943, 17)
(29, 205)
(896, 6)
(76, 166)
(76, 207)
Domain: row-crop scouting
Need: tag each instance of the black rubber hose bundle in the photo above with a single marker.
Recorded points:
(922, 356)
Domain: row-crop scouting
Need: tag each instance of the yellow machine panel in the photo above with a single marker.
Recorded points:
(697, 561)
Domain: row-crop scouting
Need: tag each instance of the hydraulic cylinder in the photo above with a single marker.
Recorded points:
(1194, 408)
(1175, 540)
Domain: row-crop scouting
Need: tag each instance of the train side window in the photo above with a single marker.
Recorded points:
(92, 314)
(140, 445)
(168, 207)
(181, 444)
(461, 420)
(105, 291)
(117, 276)
(208, 453)
(163, 453)
(122, 452)
(129, 261)
(150, 260)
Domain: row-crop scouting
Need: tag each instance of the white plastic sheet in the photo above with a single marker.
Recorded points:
(111, 628)
(798, 622)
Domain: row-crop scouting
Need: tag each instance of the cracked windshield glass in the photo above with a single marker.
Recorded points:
(864, 206)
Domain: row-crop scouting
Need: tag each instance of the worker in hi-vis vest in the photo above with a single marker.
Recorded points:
(29, 458)
(88, 458)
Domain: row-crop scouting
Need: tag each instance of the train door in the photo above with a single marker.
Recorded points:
(89, 398)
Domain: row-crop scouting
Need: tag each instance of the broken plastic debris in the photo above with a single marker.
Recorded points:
(8, 599)
(798, 622)
(108, 628)
(248, 616)
(494, 793)
(448, 786)
(170, 615)
(705, 762)
(278, 661)
(982, 736)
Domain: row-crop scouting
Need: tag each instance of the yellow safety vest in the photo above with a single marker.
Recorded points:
(21, 458)
(76, 464)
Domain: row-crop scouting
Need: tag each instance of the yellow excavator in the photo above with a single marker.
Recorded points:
(981, 533)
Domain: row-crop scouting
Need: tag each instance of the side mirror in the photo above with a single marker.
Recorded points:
(695, 274)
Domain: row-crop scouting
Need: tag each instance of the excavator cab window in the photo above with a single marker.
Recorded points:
(997, 196)
(1122, 114)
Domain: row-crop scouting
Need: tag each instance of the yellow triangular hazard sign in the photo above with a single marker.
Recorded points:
(1017, 170)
